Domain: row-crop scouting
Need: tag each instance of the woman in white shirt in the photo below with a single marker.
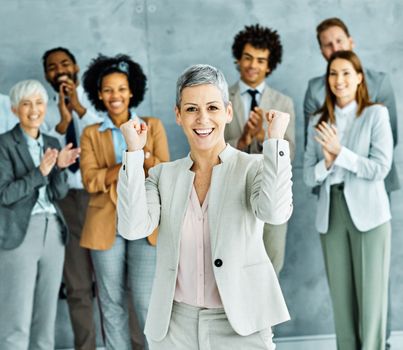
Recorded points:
(214, 287)
(349, 153)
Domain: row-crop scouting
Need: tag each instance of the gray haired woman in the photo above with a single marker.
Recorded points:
(215, 287)
(32, 228)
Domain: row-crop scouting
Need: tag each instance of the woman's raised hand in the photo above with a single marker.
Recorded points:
(135, 134)
(277, 124)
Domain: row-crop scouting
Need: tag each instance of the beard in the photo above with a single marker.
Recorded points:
(56, 82)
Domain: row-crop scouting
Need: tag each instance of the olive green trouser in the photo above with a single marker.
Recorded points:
(357, 267)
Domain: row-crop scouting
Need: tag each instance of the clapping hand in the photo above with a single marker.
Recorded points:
(328, 137)
(67, 156)
(48, 161)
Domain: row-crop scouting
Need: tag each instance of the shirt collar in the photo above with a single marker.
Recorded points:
(351, 108)
(108, 124)
(243, 88)
(31, 142)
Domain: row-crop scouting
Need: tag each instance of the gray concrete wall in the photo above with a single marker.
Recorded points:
(167, 36)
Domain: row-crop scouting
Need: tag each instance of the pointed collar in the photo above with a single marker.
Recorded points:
(243, 88)
(31, 142)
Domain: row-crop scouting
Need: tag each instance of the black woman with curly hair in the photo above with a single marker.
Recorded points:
(258, 51)
(115, 86)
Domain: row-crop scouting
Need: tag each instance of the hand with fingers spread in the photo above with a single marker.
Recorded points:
(48, 161)
(67, 156)
(135, 134)
(277, 123)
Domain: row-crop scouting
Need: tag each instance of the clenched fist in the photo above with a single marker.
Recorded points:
(135, 134)
(277, 123)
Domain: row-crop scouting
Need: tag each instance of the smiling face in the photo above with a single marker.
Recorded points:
(203, 115)
(253, 65)
(31, 112)
(343, 81)
(59, 68)
(334, 39)
(115, 94)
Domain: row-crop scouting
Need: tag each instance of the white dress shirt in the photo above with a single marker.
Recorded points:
(247, 98)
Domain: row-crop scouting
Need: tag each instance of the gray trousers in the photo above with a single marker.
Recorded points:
(274, 238)
(193, 328)
(30, 278)
(77, 272)
(357, 268)
(127, 266)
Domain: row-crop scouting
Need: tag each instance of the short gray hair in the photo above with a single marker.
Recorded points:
(200, 74)
(26, 88)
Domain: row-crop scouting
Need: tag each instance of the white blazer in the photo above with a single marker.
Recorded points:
(370, 143)
(245, 190)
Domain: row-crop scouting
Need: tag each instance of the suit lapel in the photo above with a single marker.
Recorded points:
(352, 137)
(22, 148)
(218, 189)
(182, 187)
(107, 147)
(108, 152)
(237, 106)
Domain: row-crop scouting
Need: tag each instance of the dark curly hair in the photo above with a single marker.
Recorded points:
(102, 66)
(57, 49)
(260, 38)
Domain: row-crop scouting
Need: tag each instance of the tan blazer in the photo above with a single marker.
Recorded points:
(271, 99)
(97, 156)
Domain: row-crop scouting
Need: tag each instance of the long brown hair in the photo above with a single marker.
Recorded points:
(362, 96)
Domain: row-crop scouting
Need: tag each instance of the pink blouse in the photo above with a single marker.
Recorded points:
(195, 284)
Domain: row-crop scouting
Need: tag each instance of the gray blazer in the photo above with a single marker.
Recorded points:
(245, 191)
(370, 138)
(271, 99)
(380, 91)
(20, 181)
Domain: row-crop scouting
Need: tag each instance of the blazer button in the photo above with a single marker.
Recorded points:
(218, 262)
(124, 167)
(281, 153)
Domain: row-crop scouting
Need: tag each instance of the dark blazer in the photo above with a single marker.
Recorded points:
(20, 181)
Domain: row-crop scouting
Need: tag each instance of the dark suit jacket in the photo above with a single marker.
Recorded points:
(20, 181)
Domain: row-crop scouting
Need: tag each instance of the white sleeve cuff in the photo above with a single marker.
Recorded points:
(132, 161)
(347, 159)
(321, 172)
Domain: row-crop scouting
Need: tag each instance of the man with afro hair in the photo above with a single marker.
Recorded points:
(257, 51)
